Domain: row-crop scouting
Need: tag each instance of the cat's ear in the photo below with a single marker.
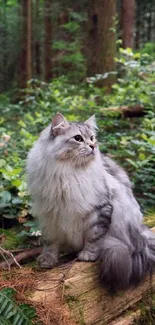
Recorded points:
(91, 122)
(59, 124)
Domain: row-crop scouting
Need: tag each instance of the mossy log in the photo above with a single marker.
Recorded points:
(126, 111)
(74, 290)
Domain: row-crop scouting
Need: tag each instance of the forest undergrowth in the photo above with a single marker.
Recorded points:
(130, 140)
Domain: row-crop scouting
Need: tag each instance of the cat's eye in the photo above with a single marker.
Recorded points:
(78, 138)
(92, 138)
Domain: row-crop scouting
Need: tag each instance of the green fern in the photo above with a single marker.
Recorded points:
(4, 321)
(13, 314)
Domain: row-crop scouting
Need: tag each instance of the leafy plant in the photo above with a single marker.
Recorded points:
(11, 312)
(128, 141)
(135, 82)
(149, 48)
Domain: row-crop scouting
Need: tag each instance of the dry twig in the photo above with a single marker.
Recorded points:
(11, 259)
(22, 256)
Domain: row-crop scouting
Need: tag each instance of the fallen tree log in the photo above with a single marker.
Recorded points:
(126, 111)
(25, 254)
(74, 289)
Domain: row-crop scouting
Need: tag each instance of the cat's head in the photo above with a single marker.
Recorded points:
(74, 143)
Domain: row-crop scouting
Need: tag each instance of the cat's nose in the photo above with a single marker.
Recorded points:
(92, 147)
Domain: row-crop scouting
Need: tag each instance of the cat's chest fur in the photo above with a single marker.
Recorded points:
(74, 191)
(71, 195)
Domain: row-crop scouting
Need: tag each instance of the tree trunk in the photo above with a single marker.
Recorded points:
(101, 39)
(48, 40)
(25, 65)
(3, 45)
(149, 21)
(127, 23)
(37, 48)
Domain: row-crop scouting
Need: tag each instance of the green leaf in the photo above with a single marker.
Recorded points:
(31, 223)
(142, 156)
(6, 196)
(137, 55)
(4, 321)
(16, 182)
(22, 124)
(131, 162)
(151, 141)
(16, 200)
(144, 136)
(23, 186)
(14, 314)
(2, 163)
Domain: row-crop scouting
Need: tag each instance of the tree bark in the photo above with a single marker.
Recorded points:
(25, 64)
(127, 23)
(48, 40)
(101, 39)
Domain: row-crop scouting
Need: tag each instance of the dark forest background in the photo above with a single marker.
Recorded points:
(47, 38)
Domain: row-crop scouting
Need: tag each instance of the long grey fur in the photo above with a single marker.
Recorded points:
(84, 203)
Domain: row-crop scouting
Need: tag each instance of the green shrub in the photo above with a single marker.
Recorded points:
(149, 48)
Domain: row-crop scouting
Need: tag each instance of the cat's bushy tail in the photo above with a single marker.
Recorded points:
(126, 262)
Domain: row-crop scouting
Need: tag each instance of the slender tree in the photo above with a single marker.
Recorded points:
(101, 39)
(149, 20)
(25, 65)
(138, 24)
(128, 23)
(3, 46)
(48, 40)
(36, 42)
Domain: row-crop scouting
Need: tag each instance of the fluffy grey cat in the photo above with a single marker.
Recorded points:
(85, 204)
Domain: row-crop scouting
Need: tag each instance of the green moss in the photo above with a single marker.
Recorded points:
(11, 240)
(147, 308)
(149, 220)
(82, 321)
(71, 300)
(67, 286)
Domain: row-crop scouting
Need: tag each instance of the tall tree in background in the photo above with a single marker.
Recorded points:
(101, 39)
(36, 39)
(25, 72)
(127, 22)
(138, 24)
(37, 43)
(48, 40)
(4, 45)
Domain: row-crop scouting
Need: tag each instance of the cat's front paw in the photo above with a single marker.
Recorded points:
(87, 256)
(47, 260)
